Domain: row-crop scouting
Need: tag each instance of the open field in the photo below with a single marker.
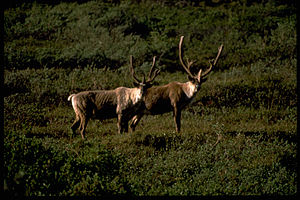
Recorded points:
(239, 136)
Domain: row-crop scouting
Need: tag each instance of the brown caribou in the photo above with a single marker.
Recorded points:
(174, 96)
(121, 102)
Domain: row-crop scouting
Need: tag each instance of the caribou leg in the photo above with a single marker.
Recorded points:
(177, 116)
(135, 120)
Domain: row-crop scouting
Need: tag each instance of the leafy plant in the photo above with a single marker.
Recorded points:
(238, 135)
(33, 169)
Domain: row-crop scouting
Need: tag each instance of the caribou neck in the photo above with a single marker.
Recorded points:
(190, 89)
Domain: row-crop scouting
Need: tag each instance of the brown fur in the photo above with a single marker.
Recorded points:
(104, 104)
(175, 95)
(166, 98)
(121, 102)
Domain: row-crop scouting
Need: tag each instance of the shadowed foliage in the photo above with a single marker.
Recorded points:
(238, 136)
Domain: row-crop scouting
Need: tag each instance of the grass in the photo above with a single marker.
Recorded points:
(238, 136)
(237, 150)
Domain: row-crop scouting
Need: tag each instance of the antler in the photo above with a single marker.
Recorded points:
(187, 69)
(133, 73)
(189, 63)
(213, 62)
(152, 74)
(152, 67)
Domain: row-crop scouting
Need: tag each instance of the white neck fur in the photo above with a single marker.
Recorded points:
(190, 89)
(136, 95)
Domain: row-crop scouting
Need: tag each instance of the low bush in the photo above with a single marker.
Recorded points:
(238, 136)
(269, 93)
(97, 33)
(194, 166)
(31, 168)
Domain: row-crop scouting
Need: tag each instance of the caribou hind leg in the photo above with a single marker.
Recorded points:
(75, 126)
(83, 124)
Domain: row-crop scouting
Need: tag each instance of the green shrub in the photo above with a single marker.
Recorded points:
(30, 168)
(238, 136)
(100, 34)
(232, 167)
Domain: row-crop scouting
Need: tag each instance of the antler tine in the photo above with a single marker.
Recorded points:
(132, 71)
(219, 53)
(156, 72)
(213, 62)
(181, 61)
(152, 74)
(189, 63)
(151, 69)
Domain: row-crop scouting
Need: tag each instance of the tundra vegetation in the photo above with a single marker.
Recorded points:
(238, 137)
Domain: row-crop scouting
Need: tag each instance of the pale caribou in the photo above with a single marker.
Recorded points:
(175, 95)
(121, 102)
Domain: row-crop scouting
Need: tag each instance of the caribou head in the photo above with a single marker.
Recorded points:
(199, 78)
(144, 84)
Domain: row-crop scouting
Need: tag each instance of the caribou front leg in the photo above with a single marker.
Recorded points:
(120, 125)
(125, 126)
(177, 116)
(135, 120)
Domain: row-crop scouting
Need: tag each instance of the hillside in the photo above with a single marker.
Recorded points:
(248, 103)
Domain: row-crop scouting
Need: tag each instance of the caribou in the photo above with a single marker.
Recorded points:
(174, 96)
(122, 103)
